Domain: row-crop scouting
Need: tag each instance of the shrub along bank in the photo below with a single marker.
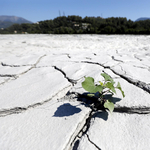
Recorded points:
(79, 25)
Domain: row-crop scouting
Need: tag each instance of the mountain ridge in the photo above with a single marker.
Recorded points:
(6, 21)
(142, 19)
(14, 19)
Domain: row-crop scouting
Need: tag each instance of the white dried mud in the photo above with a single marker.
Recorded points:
(40, 81)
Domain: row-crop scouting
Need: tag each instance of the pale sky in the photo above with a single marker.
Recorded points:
(39, 10)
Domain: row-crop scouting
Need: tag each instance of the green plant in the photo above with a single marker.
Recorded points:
(99, 91)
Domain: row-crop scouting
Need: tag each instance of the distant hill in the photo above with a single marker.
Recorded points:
(4, 24)
(142, 19)
(6, 21)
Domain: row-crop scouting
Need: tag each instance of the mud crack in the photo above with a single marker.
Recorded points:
(116, 59)
(3, 64)
(15, 76)
(75, 142)
(133, 110)
(68, 55)
(17, 110)
(92, 142)
(137, 57)
(72, 81)
(8, 75)
(140, 84)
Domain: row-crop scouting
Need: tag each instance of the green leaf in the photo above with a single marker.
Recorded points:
(119, 87)
(109, 105)
(88, 85)
(107, 78)
(101, 83)
(111, 87)
(96, 95)
(91, 95)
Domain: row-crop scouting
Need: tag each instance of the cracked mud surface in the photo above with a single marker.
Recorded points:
(40, 86)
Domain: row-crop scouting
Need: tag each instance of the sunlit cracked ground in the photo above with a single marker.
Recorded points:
(36, 72)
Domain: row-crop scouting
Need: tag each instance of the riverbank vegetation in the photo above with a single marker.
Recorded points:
(79, 25)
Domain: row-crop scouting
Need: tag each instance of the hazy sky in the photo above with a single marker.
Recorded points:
(38, 10)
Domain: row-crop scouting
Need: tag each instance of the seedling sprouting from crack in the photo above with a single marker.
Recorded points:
(98, 92)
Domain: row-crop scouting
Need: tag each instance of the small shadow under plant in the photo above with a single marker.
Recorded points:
(98, 110)
(92, 102)
(66, 110)
(89, 101)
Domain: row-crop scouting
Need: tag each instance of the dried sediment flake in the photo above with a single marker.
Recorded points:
(36, 71)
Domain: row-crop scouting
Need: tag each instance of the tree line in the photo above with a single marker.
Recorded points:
(78, 25)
